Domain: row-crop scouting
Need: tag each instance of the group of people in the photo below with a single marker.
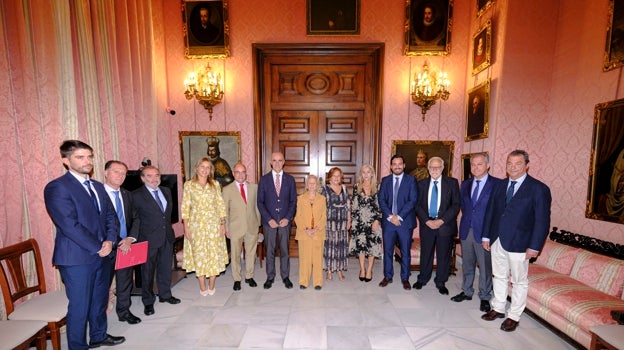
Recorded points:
(503, 224)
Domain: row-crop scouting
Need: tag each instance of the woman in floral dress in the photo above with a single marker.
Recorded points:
(203, 215)
(336, 250)
(366, 222)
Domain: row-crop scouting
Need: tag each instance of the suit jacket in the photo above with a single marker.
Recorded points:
(406, 201)
(448, 207)
(472, 216)
(80, 228)
(270, 205)
(151, 224)
(304, 215)
(242, 217)
(524, 222)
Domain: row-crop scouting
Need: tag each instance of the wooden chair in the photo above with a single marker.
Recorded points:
(17, 285)
(18, 335)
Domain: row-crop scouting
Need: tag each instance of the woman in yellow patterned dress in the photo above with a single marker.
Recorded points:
(203, 215)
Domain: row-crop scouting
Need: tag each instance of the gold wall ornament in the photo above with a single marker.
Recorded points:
(205, 86)
(428, 87)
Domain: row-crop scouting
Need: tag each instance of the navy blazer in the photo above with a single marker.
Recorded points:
(406, 201)
(270, 205)
(80, 229)
(150, 223)
(524, 222)
(448, 207)
(472, 216)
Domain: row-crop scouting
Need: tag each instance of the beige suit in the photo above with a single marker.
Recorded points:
(243, 221)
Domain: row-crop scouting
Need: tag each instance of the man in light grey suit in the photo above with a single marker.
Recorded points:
(243, 220)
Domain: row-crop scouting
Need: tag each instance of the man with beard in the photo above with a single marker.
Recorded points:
(222, 171)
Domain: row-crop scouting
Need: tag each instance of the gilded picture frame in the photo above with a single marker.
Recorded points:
(478, 112)
(332, 17)
(482, 6)
(427, 27)
(482, 48)
(614, 48)
(206, 29)
(410, 150)
(605, 190)
(222, 147)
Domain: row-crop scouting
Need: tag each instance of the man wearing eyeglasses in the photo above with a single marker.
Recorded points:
(437, 209)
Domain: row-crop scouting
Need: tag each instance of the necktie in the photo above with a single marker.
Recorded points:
(510, 192)
(123, 230)
(160, 204)
(475, 194)
(395, 193)
(277, 184)
(92, 194)
(433, 205)
(242, 189)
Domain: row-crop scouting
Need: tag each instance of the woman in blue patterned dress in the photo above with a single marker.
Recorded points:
(336, 250)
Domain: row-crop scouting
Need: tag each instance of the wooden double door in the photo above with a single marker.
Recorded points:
(320, 105)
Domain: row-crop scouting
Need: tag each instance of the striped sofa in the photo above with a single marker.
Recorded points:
(574, 289)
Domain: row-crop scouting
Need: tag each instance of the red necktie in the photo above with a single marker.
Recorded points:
(242, 187)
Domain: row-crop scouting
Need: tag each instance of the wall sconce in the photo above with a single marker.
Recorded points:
(428, 87)
(206, 86)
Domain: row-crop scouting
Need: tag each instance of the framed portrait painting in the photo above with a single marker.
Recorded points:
(333, 17)
(427, 27)
(605, 192)
(614, 50)
(206, 29)
(482, 48)
(417, 154)
(221, 147)
(482, 6)
(477, 112)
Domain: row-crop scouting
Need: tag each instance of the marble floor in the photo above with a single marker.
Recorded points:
(344, 315)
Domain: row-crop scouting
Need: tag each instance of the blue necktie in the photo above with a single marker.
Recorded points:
(475, 194)
(123, 230)
(92, 194)
(395, 193)
(433, 206)
(160, 204)
(510, 192)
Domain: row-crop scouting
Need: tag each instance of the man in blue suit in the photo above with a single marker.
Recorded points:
(277, 201)
(437, 209)
(397, 199)
(517, 220)
(475, 194)
(85, 231)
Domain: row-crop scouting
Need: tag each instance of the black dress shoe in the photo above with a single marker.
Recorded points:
(406, 285)
(384, 282)
(268, 284)
(418, 285)
(172, 300)
(442, 289)
(287, 283)
(251, 282)
(461, 297)
(318, 287)
(236, 285)
(509, 325)
(149, 310)
(108, 341)
(485, 306)
(130, 318)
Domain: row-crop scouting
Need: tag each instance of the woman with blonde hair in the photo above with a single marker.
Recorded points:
(203, 215)
(311, 220)
(366, 222)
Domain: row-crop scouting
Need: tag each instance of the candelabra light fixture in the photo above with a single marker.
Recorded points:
(205, 86)
(428, 87)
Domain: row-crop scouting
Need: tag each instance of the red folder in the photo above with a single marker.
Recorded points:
(135, 256)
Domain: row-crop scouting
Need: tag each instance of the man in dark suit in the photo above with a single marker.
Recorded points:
(437, 209)
(517, 220)
(114, 175)
(277, 201)
(475, 194)
(153, 205)
(85, 231)
(397, 199)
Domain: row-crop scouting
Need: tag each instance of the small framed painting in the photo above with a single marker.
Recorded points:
(333, 17)
(482, 6)
(221, 147)
(614, 50)
(478, 111)
(206, 29)
(427, 26)
(482, 48)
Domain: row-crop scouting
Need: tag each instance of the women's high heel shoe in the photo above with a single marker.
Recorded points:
(362, 278)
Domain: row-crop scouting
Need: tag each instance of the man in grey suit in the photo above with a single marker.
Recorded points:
(475, 194)
(153, 204)
(243, 220)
